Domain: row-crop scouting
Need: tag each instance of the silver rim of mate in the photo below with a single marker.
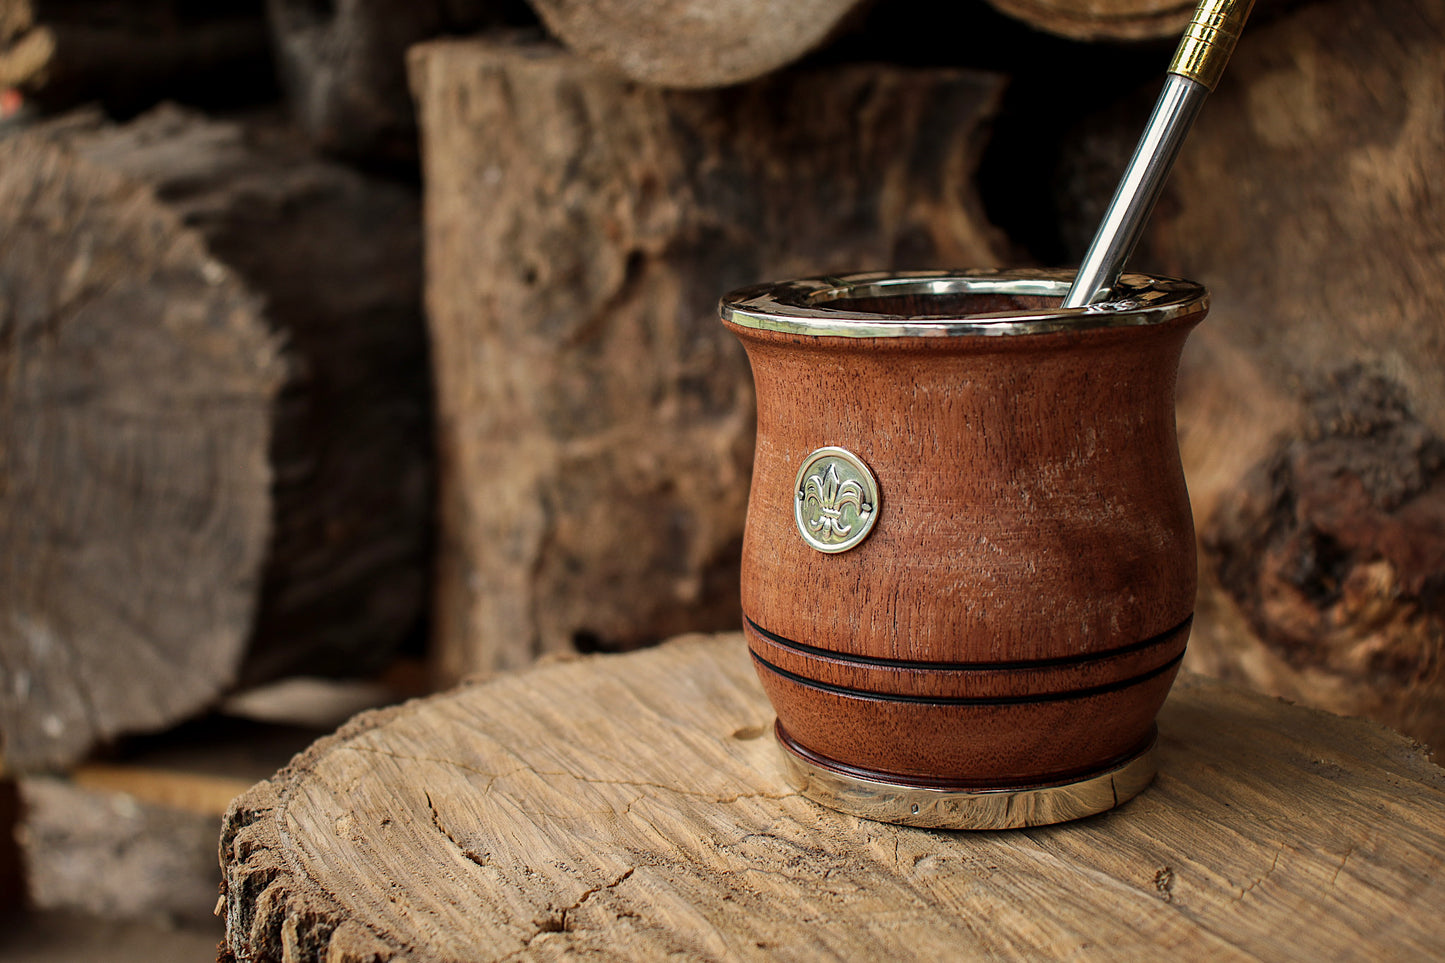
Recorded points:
(961, 808)
(838, 306)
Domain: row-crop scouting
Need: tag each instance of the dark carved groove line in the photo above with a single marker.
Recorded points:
(1023, 664)
(971, 700)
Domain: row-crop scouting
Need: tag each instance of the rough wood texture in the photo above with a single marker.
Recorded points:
(214, 448)
(596, 420)
(135, 837)
(115, 856)
(130, 53)
(343, 66)
(1033, 545)
(1102, 19)
(634, 807)
(693, 43)
(1312, 402)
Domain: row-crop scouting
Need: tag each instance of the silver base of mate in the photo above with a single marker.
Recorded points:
(929, 807)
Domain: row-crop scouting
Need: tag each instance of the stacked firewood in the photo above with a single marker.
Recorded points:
(269, 408)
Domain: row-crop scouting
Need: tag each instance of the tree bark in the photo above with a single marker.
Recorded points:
(635, 807)
(214, 452)
(596, 421)
(693, 43)
(132, 54)
(1312, 401)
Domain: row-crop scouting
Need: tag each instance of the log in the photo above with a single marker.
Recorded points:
(1102, 19)
(1312, 401)
(133, 837)
(635, 807)
(1120, 20)
(130, 55)
(343, 67)
(595, 420)
(694, 43)
(113, 856)
(65, 935)
(214, 451)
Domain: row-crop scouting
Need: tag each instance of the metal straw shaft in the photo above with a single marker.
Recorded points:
(1198, 63)
(1140, 187)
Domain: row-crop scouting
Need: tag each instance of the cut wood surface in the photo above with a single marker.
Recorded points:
(595, 419)
(1102, 19)
(693, 43)
(634, 807)
(1312, 400)
(213, 431)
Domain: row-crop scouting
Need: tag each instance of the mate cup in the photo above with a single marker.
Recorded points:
(968, 571)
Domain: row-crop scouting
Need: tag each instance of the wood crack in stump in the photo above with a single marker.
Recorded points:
(558, 922)
(626, 874)
(436, 820)
(1348, 853)
(626, 810)
(676, 790)
(1272, 864)
(492, 777)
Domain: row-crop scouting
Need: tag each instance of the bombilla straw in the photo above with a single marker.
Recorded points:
(1194, 72)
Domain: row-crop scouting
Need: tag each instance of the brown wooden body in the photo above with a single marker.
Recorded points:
(1019, 611)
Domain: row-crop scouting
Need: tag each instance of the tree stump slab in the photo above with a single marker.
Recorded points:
(635, 807)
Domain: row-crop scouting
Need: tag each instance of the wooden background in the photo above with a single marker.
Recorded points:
(376, 340)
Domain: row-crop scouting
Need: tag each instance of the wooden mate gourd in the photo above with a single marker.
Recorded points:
(968, 570)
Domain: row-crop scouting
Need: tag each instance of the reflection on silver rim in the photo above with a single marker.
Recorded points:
(802, 307)
(944, 808)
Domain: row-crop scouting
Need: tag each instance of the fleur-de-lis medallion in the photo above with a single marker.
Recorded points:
(836, 500)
